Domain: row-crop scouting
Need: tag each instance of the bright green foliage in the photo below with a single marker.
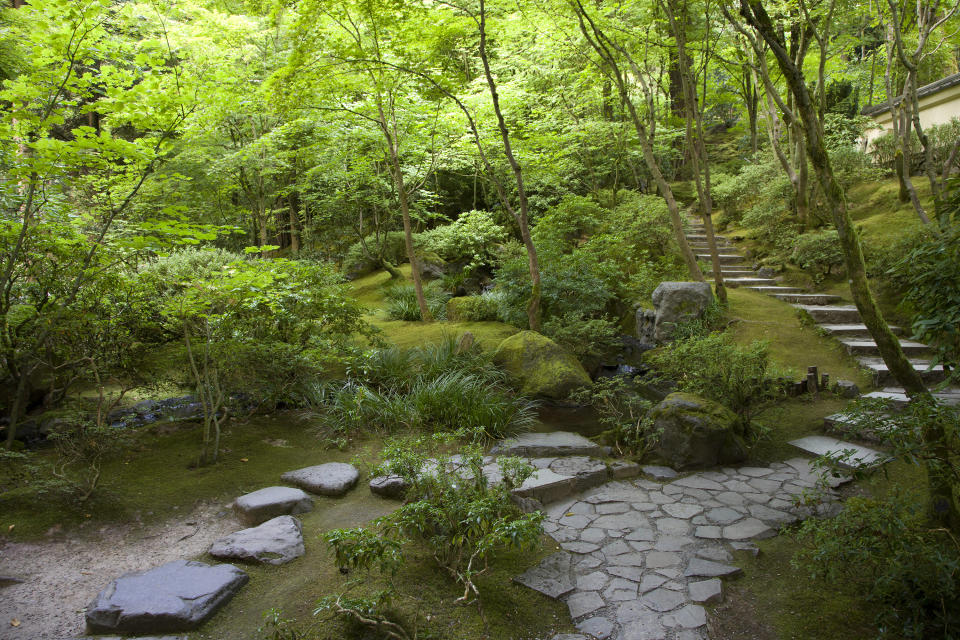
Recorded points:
(819, 251)
(402, 301)
(473, 308)
(588, 339)
(910, 571)
(739, 377)
(471, 238)
(623, 413)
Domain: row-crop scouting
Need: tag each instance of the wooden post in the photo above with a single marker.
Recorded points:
(824, 381)
(812, 380)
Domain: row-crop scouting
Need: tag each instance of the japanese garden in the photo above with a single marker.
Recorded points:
(487, 319)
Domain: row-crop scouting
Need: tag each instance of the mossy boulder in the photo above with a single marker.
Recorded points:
(540, 367)
(696, 432)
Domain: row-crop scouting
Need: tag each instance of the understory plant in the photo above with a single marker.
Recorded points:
(714, 366)
(454, 508)
(623, 413)
(402, 301)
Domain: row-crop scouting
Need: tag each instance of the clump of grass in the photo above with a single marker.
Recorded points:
(402, 301)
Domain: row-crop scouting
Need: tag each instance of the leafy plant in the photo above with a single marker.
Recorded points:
(818, 250)
(623, 412)
(589, 339)
(402, 301)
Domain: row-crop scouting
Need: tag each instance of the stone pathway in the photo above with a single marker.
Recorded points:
(640, 558)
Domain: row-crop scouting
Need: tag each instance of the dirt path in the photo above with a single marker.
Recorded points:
(63, 574)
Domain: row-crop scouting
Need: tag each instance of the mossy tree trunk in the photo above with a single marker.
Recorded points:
(944, 507)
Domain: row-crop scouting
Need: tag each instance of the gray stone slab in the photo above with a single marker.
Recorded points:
(650, 582)
(660, 559)
(265, 504)
(608, 508)
(823, 445)
(580, 547)
(594, 581)
(749, 529)
(706, 591)
(672, 526)
(659, 473)
(592, 535)
(276, 541)
(553, 577)
(755, 472)
(599, 627)
(724, 515)
(698, 482)
(745, 547)
(581, 604)
(630, 573)
(699, 567)
(692, 616)
(708, 532)
(717, 554)
(672, 543)
(621, 469)
(555, 443)
(620, 590)
(330, 479)
(681, 510)
(588, 472)
(663, 600)
(177, 596)
(629, 520)
(546, 486)
(388, 486)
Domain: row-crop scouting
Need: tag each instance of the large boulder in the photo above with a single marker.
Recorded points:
(696, 432)
(276, 541)
(177, 596)
(674, 303)
(540, 367)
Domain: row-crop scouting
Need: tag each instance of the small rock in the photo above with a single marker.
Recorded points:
(622, 469)
(659, 473)
(388, 486)
(330, 479)
(846, 389)
(745, 547)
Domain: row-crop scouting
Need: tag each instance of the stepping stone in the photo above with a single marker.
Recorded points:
(580, 604)
(749, 529)
(725, 258)
(882, 375)
(834, 314)
(745, 547)
(265, 504)
(622, 469)
(177, 596)
(692, 616)
(699, 567)
(553, 577)
(388, 486)
(588, 472)
(546, 486)
(637, 622)
(659, 473)
(822, 445)
(663, 599)
(330, 479)
(682, 510)
(599, 628)
(553, 444)
(276, 541)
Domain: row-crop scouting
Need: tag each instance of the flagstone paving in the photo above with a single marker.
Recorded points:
(637, 560)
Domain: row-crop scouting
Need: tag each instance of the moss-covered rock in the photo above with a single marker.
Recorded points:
(540, 367)
(696, 432)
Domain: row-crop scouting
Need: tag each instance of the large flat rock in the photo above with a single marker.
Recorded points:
(174, 597)
(330, 479)
(542, 445)
(547, 486)
(553, 577)
(860, 456)
(265, 504)
(276, 541)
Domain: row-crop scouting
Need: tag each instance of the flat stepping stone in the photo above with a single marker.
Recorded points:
(824, 445)
(862, 346)
(598, 627)
(699, 567)
(265, 504)
(748, 529)
(276, 541)
(663, 599)
(820, 299)
(588, 472)
(725, 258)
(553, 577)
(851, 329)
(543, 445)
(330, 479)
(177, 596)
(882, 375)
(776, 290)
(388, 486)
(580, 604)
(546, 486)
(659, 473)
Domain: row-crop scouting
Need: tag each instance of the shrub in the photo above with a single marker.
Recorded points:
(623, 413)
(363, 257)
(818, 250)
(911, 572)
(585, 338)
(473, 308)
(470, 238)
(402, 301)
(714, 366)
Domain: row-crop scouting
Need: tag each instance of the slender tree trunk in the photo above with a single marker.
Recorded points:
(944, 507)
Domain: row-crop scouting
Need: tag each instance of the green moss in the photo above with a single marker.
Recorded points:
(540, 366)
(794, 345)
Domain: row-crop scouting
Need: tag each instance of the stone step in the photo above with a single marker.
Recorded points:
(700, 247)
(820, 299)
(734, 283)
(702, 237)
(874, 432)
(725, 258)
(831, 314)
(854, 330)
(859, 456)
(775, 290)
(882, 375)
(861, 347)
(733, 271)
(898, 397)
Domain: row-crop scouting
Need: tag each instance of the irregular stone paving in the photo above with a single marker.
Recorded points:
(641, 558)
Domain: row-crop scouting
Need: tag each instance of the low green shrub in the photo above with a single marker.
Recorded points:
(909, 570)
(715, 367)
(623, 413)
(819, 251)
(472, 238)
(588, 339)
(363, 257)
(473, 308)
